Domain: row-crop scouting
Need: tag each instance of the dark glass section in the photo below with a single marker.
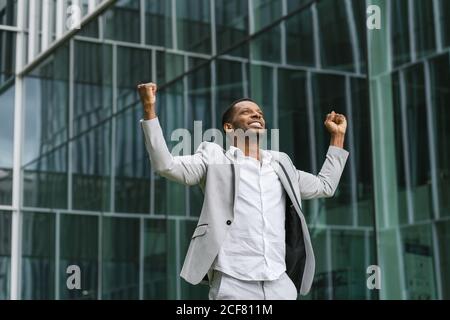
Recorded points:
(194, 25)
(79, 247)
(122, 22)
(5, 254)
(7, 54)
(6, 144)
(155, 259)
(120, 258)
(8, 12)
(38, 256)
(158, 23)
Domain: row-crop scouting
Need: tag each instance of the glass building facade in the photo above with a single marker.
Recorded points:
(76, 184)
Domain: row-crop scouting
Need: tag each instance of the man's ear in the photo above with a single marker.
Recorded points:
(227, 127)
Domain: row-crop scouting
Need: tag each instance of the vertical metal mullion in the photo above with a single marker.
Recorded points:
(141, 258)
(16, 223)
(432, 143)
(329, 262)
(212, 9)
(59, 18)
(152, 172)
(275, 98)
(412, 39)
(113, 131)
(283, 29)
(57, 254)
(213, 93)
(174, 25)
(405, 145)
(45, 24)
(100, 258)
(437, 25)
(71, 143)
(351, 144)
(353, 36)
(177, 258)
(32, 30)
(312, 146)
(143, 21)
(316, 34)
(185, 121)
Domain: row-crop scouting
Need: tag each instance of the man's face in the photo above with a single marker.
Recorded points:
(248, 116)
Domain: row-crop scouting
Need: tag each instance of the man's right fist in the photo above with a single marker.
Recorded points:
(147, 92)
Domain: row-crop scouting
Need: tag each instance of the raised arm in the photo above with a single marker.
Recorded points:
(188, 170)
(326, 182)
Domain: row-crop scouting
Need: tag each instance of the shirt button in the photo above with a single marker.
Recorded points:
(228, 222)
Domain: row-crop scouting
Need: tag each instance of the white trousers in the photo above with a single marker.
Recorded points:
(225, 287)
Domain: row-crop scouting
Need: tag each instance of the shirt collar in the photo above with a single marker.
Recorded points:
(237, 153)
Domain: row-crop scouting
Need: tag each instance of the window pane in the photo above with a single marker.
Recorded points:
(6, 145)
(122, 22)
(38, 256)
(232, 26)
(91, 170)
(120, 276)
(5, 254)
(300, 39)
(8, 12)
(265, 12)
(134, 66)
(158, 22)
(93, 84)
(193, 25)
(155, 259)
(79, 246)
(132, 184)
(8, 55)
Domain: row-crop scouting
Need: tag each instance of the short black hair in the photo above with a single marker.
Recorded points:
(227, 116)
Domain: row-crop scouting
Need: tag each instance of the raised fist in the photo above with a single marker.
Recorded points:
(147, 92)
(336, 123)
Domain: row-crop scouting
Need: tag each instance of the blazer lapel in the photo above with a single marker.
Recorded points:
(236, 176)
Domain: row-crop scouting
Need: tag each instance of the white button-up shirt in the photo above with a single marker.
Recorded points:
(255, 246)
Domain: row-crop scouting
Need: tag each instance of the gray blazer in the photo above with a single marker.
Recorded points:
(218, 176)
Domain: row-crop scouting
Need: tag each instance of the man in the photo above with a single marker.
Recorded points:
(251, 240)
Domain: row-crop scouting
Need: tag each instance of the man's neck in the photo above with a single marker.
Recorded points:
(249, 150)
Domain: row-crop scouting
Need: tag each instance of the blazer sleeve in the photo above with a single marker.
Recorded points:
(188, 170)
(325, 183)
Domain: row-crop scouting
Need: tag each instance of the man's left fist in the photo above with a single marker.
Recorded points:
(336, 123)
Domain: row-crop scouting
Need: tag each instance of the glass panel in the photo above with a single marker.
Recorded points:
(38, 256)
(300, 39)
(91, 170)
(155, 260)
(122, 22)
(93, 84)
(400, 32)
(424, 28)
(232, 26)
(267, 46)
(329, 94)
(230, 86)
(158, 23)
(134, 66)
(334, 28)
(193, 25)
(443, 239)
(265, 12)
(293, 5)
(132, 184)
(5, 254)
(8, 12)
(171, 116)
(8, 55)
(120, 276)
(444, 18)
(440, 84)
(169, 67)
(6, 144)
(79, 246)
(45, 180)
